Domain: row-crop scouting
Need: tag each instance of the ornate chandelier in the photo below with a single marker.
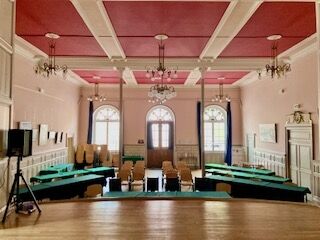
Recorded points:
(96, 97)
(274, 69)
(161, 72)
(160, 92)
(221, 97)
(49, 67)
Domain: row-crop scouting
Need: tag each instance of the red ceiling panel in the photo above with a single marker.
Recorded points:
(190, 24)
(105, 76)
(141, 78)
(214, 77)
(37, 17)
(293, 20)
(68, 46)
(174, 47)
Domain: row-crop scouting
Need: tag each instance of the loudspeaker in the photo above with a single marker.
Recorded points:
(19, 142)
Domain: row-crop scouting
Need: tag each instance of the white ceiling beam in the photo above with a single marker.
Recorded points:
(193, 77)
(234, 18)
(129, 77)
(95, 17)
(183, 64)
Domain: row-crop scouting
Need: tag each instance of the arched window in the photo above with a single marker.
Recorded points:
(160, 119)
(106, 126)
(214, 128)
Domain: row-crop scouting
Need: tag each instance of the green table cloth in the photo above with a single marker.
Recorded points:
(132, 158)
(239, 169)
(65, 167)
(105, 171)
(246, 188)
(63, 189)
(248, 175)
(206, 195)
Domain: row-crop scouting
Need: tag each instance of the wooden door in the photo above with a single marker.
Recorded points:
(160, 143)
(300, 148)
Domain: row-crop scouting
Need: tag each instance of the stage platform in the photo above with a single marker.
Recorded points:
(166, 219)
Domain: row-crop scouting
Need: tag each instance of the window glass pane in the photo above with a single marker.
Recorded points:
(219, 136)
(100, 133)
(107, 113)
(160, 114)
(113, 135)
(165, 135)
(155, 135)
(208, 138)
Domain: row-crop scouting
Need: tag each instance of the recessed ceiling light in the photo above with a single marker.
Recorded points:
(221, 78)
(274, 37)
(96, 77)
(52, 35)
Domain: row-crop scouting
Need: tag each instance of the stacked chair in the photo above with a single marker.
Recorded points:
(138, 176)
(130, 176)
(89, 154)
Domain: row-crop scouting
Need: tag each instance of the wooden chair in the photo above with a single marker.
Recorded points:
(115, 160)
(124, 175)
(80, 154)
(166, 164)
(181, 165)
(128, 164)
(186, 178)
(138, 178)
(89, 154)
(223, 187)
(140, 163)
(103, 154)
(93, 190)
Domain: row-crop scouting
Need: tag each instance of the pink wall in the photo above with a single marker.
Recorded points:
(136, 107)
(57, 106)
(263, 102)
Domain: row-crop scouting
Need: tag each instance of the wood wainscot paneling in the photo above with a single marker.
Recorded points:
(271, 160)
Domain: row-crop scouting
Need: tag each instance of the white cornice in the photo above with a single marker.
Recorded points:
(4, 100)
(6, 46)
(27, 50)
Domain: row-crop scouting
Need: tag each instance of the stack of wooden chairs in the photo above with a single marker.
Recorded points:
(181, 174)
(86, 154)
(132, 176)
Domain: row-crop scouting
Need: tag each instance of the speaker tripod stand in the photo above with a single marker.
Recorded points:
(15, 186)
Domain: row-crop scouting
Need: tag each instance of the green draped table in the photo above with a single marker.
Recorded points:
(207, 195)
(239, 169)
(63, 189)
(246, 175)
(105, 171)
(245, 188)
(65, 167)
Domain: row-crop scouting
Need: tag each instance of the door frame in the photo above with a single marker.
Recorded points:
(174, 131)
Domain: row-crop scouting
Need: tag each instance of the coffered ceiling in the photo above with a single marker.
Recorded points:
(227, 38)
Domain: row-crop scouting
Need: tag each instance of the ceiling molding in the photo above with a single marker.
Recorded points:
(96, 22)
(193, 78)
(76, 79)
(234, 18)
(301, 49)
(247, 79)
(129, 77)
(5, 46)
(27, 50)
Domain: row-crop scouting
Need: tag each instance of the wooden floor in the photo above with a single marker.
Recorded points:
(164, 219)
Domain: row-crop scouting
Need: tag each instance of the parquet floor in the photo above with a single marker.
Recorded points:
(164, 219)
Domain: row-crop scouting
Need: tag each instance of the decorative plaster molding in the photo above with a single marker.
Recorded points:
(299, 119)
(4, 100)
(6, 46)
